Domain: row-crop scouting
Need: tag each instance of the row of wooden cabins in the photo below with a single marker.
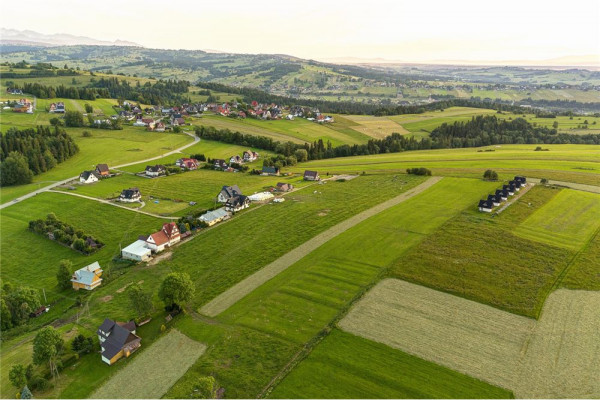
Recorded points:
(494, 200)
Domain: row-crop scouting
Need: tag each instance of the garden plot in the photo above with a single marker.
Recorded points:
(150, 374)
(463, 335)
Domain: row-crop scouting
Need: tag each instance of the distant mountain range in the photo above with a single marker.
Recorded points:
(31, 38)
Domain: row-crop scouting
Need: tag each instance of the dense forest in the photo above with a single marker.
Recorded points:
(61, 91)
(29, 152)
(170, 92)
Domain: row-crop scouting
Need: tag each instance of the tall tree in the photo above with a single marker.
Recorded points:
(47, 345)
(176, 289)
(64, 274)
(141, 301)
(14, 170)
(17, 377)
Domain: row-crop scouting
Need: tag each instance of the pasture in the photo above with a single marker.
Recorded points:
(162, 364)
(567, 221)
(463, 335)
(348, 366)
(375, 127)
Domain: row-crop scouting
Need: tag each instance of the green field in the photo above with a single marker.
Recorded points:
(348, 366)
(567, 221)
(486, 261)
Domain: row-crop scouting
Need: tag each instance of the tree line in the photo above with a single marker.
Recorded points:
(28, 152)
(169, 92)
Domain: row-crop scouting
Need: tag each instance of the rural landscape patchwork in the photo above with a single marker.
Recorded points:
(211, 224)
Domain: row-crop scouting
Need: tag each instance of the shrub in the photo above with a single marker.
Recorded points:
(38, 383)
(418, 171)
(490, 175)
(86, 134)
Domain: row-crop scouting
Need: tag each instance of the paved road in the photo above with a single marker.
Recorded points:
(55, 184)
(243, 288)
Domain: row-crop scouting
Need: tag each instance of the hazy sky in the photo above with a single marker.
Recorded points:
(413, 30)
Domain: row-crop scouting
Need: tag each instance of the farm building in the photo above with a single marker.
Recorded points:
(284, 187)
(228, 192)
(117, 339)
(166, 237)
(155, 170)
(250, 156)
(262, 196)
(215, 216)
(102, 169)
(271, 171)
(137, 251)
(88, 277)
(485, 206)
(89, 177)
(311, 175)
(237, 203)
(187, 163)
(130, 195)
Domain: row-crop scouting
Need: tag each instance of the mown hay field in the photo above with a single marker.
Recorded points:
(375, 127)
(463, 335)
(151, 373)
(567, 221)
(563, 354)
(348, 366)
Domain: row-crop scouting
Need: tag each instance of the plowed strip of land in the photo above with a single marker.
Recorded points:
(466, 336)
(241, 289)
(563, 355)
(150, 374)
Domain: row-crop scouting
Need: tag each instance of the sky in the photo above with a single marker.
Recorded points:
(409, 31)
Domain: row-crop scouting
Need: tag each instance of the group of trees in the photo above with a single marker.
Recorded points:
(64, 233)
(169, 92)
(28, 152)
(62, 91)
(419, 171)
(16, 304)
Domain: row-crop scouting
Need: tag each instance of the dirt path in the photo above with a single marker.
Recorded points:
(572, 185)
(59, 183)
(110, 203)
(243, 288)
(514, 199)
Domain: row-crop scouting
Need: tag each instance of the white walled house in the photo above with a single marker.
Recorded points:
(137, 251)
(88, 177)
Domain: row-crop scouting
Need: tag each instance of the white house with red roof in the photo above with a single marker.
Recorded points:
(166, 237)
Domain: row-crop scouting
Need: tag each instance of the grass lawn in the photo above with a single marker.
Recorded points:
(483, 260)
(348, 366)
(166, 360)
(567, 221)
(583, 273)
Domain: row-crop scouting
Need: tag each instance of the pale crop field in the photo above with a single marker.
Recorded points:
(568, 220)
(150, 374)
(376, 127)
(463, 335)
(563, 354)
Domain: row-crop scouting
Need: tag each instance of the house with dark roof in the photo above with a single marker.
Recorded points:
(237, 203)
(102, 169)
(88, 277)
(485, 206)
(510, 189)
(502, 193)
(521, 179)
(495, 201)
(130, 195)
(228, 192)
(516, 184)
(57, 107)
(270, 171)
(311, 175)
(221, 164)
(155, 170)
(89, 177)
(166, 237)
(117, 340)
(284, 187)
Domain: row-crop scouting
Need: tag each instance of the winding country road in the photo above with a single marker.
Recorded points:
(58, 183)
(226, 299)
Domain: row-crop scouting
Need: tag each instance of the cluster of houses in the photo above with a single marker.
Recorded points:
(101, 171)
(23, 106)
(494, 200)
(248, 156)
(58, 107)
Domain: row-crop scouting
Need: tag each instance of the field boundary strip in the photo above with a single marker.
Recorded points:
(226, 299)
(152, 373)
